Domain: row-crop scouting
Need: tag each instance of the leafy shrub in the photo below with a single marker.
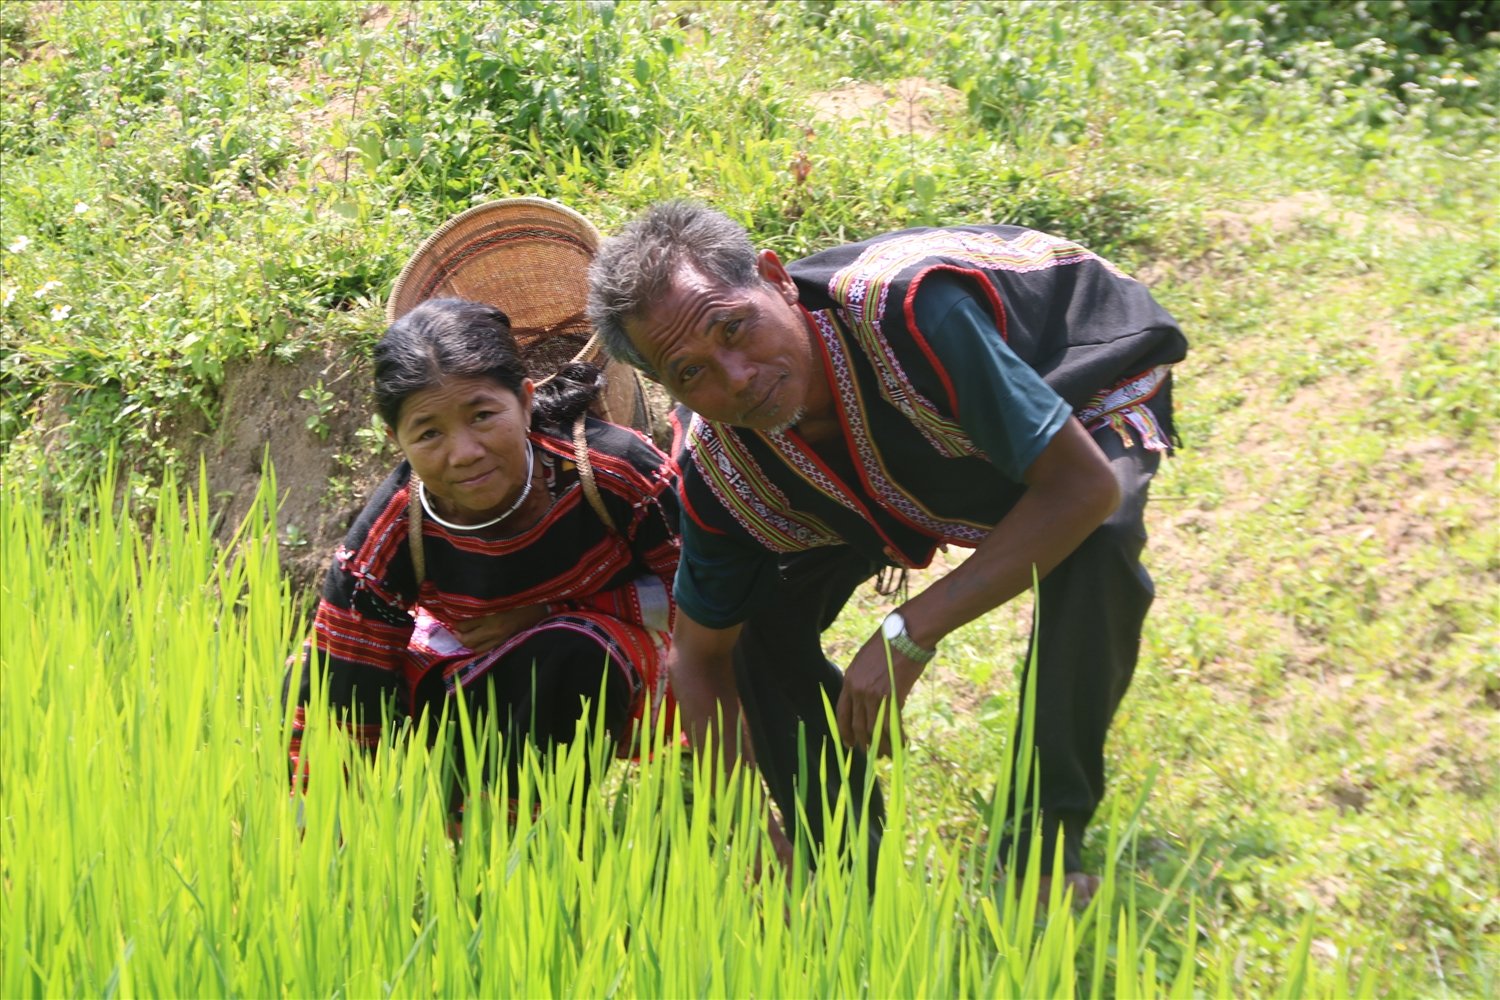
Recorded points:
(198, 60)
(1413, 49)
(494, 89)
(15, 29)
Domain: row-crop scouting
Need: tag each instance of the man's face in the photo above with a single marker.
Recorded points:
(740, 356)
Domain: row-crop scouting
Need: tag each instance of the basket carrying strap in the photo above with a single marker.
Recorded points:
(585, 478)
(414, 529)
(586, 475)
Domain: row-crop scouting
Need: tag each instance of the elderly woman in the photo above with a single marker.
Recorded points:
(502, 555)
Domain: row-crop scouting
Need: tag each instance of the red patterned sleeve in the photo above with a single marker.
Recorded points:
(362, 627)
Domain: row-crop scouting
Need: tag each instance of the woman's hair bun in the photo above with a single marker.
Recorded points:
(568, 393)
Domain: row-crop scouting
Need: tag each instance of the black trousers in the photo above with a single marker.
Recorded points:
(540, 690)
(1086, 636)
(783, 678)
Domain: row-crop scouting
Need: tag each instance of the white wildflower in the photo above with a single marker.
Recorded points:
(80, 207)
(41, 293)
(60, 313)
(9, 297)
(19, 244)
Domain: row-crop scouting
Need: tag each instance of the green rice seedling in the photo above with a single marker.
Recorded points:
(152, 842)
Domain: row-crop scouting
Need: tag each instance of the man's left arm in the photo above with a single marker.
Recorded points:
(1029, 434)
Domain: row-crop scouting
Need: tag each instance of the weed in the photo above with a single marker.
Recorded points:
(323, 403)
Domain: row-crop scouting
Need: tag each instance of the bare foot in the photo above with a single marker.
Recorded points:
(1083, 885)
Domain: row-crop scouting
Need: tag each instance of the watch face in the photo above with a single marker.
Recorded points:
(893, 625)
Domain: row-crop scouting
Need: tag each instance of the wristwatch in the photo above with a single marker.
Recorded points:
(894, 630)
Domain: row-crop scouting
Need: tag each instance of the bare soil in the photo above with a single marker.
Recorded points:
(907, 107)
(321, 479)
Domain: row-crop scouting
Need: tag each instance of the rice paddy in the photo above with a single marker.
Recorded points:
(152, 845)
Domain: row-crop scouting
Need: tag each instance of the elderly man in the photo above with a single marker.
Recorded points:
(983, 386)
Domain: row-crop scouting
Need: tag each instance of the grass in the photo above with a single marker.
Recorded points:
(1304, 779)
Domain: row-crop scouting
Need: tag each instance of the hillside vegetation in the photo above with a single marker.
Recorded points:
(204, 206)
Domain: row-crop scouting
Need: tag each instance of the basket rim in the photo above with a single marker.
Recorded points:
(584, 227)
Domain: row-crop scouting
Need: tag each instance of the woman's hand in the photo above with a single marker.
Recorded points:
(484, 634)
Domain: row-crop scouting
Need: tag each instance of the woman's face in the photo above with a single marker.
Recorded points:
(466, 439)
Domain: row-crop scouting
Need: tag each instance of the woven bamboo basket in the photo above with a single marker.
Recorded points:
(528, 257)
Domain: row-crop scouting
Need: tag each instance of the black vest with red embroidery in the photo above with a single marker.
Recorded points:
(909, 478)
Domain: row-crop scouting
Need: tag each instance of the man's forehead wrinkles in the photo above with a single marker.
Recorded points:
(682, 324)
(689, 309)
(668, 340)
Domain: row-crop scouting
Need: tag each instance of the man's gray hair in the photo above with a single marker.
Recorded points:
(635, 267)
